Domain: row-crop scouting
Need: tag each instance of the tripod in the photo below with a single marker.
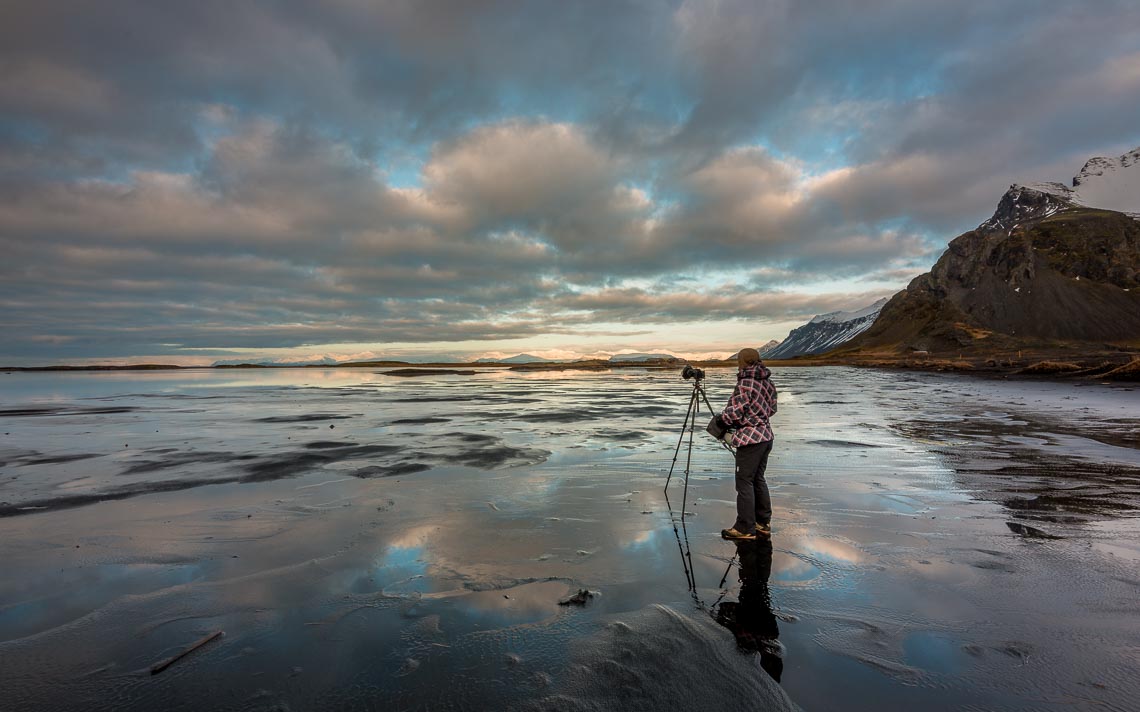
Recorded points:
(687, 561)
(695, 399)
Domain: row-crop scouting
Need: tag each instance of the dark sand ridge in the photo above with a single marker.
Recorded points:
(473, 450)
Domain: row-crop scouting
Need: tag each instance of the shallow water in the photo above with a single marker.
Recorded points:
(368, 541)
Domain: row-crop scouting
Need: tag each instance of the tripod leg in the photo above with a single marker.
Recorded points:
(709, 406)
(684, 549)
(725, 577)
(677, 450)
(696, 409)
(706, 399)
(688, 554)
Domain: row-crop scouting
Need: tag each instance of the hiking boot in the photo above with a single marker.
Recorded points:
(734, 535)
(763, 530)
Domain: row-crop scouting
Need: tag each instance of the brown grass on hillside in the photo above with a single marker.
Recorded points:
(1050, 367)
(1127, 372)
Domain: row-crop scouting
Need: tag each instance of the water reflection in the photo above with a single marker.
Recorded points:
(905, 583)
(750, 618)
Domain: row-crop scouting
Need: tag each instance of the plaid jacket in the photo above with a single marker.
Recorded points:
(752, 403)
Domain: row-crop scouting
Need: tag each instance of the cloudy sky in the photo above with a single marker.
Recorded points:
(194, 181)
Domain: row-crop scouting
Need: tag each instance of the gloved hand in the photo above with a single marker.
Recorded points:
(721, 424)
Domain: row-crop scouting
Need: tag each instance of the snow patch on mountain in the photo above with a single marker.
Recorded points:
(1025, 203)
(1106, 183)
(827, 331)
(768, 348)
(844, 316)
(1110, 183)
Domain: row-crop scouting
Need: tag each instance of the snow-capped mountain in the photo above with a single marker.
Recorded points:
(768, 348)
(1106, 183)
(827, 331)
(1054, 265)
(1110, 183)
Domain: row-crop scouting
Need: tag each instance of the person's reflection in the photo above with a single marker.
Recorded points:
(751, 619)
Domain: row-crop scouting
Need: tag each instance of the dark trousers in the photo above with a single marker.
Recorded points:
(753, 503)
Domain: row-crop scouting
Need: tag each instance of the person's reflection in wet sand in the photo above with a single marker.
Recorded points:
(751, 619)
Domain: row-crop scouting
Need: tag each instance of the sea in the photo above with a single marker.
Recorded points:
(333, 539)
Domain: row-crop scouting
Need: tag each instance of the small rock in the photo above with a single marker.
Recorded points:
(542, 679)
(578, 599)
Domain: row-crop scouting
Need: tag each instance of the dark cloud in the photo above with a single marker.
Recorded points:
(270, 174)
(642, 306)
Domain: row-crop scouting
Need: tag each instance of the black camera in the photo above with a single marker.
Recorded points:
(689, 372)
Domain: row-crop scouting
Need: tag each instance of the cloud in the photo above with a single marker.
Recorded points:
(726, 302)
(545, 177)
(217, 176)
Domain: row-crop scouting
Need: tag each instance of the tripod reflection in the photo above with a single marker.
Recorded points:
(750, 617)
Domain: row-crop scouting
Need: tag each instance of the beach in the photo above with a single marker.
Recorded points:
(370, 541)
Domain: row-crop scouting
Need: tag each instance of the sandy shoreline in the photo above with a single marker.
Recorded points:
(919, 518)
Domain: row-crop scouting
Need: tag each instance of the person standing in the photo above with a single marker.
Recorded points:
(747, 415)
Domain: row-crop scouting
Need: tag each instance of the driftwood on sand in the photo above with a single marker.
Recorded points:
(163, 664)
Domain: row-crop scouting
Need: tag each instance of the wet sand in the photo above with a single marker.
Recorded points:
(365, 541)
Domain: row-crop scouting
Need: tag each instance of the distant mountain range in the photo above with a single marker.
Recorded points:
(326, 361)
(1054, 267)
(528, 358)
(641, 357)
(824, 332)
(521, 358)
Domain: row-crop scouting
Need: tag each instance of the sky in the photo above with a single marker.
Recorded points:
(189, 182)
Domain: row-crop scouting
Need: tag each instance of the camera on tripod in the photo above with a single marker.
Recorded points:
(696, 398)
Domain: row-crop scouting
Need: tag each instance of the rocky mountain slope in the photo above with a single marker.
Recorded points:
(768, 348)
(1050, 267)
(826, 332)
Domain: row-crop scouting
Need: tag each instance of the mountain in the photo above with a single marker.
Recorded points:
(768, 347)
(521, 358)
(641, 357)
(1051, 267)
(1110, 183)
(825, 332)
(326, 361)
